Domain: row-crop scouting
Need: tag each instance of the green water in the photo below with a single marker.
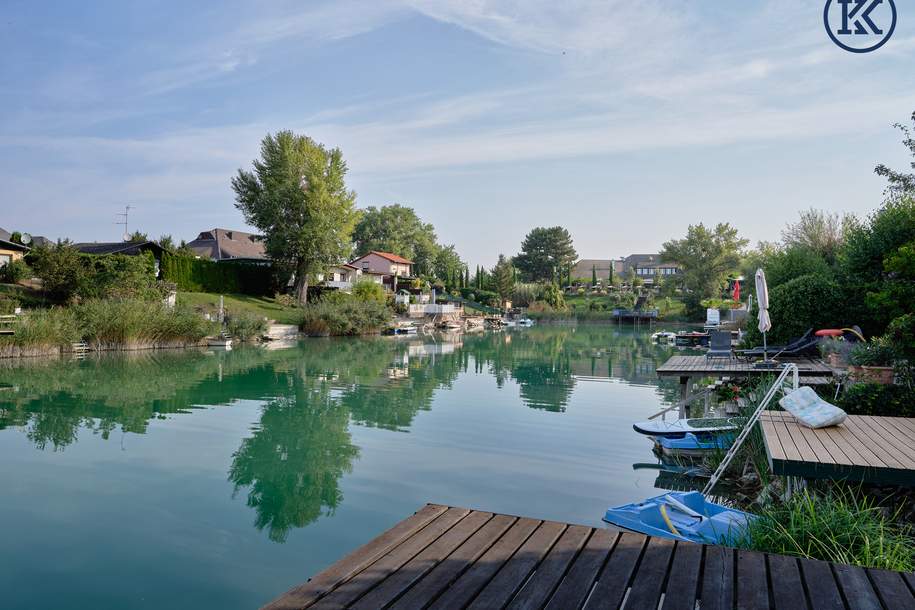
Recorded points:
(219, 480)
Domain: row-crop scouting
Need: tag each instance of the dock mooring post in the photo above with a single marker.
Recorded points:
(684, 393)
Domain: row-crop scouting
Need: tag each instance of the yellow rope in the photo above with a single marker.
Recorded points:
(670, 524)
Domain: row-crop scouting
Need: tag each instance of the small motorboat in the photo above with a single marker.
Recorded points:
(684, 516)
(679, 427)
(222, 342)
(524, 322)
(663, 336)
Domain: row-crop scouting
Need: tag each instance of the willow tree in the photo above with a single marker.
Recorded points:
(297, 198)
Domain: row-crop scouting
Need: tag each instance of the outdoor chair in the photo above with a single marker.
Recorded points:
(719, 345)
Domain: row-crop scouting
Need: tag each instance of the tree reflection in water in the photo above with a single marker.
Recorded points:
(291, 465)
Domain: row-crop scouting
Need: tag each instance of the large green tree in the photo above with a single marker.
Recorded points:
(397, 229)
(545, 252)
(449, 267)
(297, 198)
(901, 184)
(503, 277)
(706, 256)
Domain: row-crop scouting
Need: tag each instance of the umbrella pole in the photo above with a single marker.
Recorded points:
(765, 358)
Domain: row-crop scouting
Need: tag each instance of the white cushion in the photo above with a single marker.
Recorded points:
(811, 410)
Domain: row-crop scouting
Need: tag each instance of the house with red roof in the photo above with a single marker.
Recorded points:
(384, 263)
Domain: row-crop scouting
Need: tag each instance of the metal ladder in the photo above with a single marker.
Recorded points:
(789, 369)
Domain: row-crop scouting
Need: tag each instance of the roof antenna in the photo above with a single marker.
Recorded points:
(124, 215)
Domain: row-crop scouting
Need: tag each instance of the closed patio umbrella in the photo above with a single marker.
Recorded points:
(762, 300)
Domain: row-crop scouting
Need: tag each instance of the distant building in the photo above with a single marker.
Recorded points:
(384, 263)
(11, 251)
(646, 266)
(586, 266)
(229, 244)
(34, 240)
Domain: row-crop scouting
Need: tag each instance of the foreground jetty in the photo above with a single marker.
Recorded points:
(448, 557)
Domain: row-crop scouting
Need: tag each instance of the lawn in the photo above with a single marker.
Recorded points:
(260, 306)
(25, 297)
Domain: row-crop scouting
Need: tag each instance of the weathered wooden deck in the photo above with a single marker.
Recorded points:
(865, 448)
(446, 557)
(700, 366)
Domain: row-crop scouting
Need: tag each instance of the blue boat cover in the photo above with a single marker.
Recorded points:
(681, 516)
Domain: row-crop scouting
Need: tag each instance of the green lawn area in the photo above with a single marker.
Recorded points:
(260, 306)
(25, 296)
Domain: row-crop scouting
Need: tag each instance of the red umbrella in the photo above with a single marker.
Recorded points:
(737, 290)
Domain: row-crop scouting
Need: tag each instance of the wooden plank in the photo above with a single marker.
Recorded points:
(770, 436)
(397, 583)
(305, 594)
(365, 580)
(466, 586)
(857, 589)
(442, 575)
(540, 586)
(865, 456)
(882, 441)
(787, 587)
(752, 580)
(791, 451)
(614, 579)
(683, 580)
(903, 436)
(892, 590)
(574, 588)
(821, 585)
(649, 581)
(803, 446)
(514, 573)
(718, 579)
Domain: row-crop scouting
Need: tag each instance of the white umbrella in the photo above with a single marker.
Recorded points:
(762, 301)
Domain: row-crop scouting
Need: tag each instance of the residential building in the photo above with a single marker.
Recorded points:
(384, 263)
(646, 266)
(586, 267)
(229, 244)
(11, 251)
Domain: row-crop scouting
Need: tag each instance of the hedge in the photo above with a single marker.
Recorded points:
(200, 275)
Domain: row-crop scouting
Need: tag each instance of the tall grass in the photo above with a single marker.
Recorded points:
(44, 328)
(344, 315)
(244, 325)
(839, 526)
(125, 324)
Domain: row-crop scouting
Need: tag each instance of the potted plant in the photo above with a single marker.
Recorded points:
(728, 395)
(834, 351)
(872, 362)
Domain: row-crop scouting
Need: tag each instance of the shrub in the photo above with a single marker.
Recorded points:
(901, 335)
(244, 325)
(339, 314)
(795, 306)
(791, 262)
(875, 353)
(837, 527)
(552, 295)
(60, 268)
(878, 399)
(367, 290)
(524, 294)
(14, 271)
(200, 275)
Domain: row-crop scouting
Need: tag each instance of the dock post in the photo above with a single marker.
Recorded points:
(684, 394)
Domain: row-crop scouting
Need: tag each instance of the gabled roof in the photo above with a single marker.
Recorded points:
(5, 244)
(223, 244)
(118, 247)
(388, 255)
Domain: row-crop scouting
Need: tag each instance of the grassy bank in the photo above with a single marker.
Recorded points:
(264, 307)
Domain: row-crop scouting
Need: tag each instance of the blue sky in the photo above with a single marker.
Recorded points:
(622, 121)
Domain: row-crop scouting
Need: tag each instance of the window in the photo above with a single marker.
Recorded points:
(5, 259)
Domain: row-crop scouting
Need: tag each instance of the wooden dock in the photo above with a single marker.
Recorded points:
(865, 448)
(700, 366)
(447, 557)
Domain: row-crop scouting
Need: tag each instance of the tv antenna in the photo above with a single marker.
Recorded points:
(123, 220)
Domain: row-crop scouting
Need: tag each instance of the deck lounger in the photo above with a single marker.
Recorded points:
(719, 345)
(802, 343)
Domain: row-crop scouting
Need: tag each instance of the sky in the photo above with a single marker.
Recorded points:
(622, 121)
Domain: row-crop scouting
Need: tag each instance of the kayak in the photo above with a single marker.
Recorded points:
(679, 427)
(684, 516)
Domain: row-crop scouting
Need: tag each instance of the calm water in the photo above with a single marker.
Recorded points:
(195, 480)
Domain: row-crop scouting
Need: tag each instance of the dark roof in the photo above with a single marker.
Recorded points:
(4, 234)
(119, 247)
(37, 240)
(11, 245)
(223, 244)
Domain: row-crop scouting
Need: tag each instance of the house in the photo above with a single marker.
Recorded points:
(586, 267)
(342, 277)
(229, 244)
(384, 263)
(127, 248)
(11, 251)
(645, 266)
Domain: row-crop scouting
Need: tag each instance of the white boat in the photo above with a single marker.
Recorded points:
(524, 322)
(664, 335)
(679, 427)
